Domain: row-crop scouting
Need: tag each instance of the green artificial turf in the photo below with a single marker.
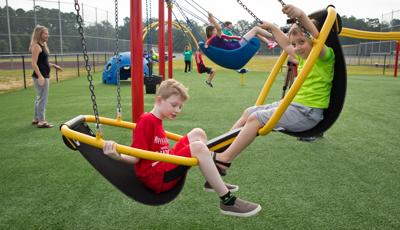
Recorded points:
(347, 180)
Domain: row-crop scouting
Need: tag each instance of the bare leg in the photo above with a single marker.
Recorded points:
(257, 31)
(263, 39)
(208, 168)
(242, 120)
(245, 137)
(211, 76)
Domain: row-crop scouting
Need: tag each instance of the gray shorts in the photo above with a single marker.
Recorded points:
(296, 118)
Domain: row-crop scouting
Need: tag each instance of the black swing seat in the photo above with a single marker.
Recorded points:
(222, 142)
(151, 83)
(339, 82)
(120, 174)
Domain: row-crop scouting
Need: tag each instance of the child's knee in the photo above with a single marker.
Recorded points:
(199, 133)
(198, 148)
(254, 120)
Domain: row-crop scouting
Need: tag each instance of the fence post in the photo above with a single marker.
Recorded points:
(23, 70)
(105, 58)
(77, 64)
(55, 60)
(396, 63)
(94, 64)
(384, 64)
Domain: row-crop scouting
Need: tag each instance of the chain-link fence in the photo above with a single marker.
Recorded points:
(380, 54)
(391, 21)
(18, 18)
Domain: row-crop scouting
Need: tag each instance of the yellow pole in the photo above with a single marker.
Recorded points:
(142, 154)
(125, 124)
(271, 78)
(353, 33)
(241, 79)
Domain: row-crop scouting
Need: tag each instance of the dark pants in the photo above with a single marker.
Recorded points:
(188, 66)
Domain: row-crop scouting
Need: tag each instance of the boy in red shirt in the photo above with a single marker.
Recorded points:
(202, 68)
(150, 135)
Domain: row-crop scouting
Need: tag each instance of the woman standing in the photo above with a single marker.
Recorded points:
(41, 74)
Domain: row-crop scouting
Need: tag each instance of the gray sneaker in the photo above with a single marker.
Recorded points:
(241, 208)
(230, 187)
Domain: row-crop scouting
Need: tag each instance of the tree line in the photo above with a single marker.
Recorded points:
(100, 36)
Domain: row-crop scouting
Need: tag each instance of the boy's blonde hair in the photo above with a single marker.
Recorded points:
(36, 37)
(172, 87)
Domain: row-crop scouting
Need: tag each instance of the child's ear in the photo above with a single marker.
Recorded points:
(158, 99)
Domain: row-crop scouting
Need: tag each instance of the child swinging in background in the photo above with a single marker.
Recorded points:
(202, 68)
(228, 28)
(149, 135)
(306, 109)
(218, 39)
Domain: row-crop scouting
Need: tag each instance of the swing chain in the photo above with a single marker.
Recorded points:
(87, 66)
(249, 11)
(116, 54)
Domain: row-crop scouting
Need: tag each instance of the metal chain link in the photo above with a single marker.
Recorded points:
(116, 54)
(249, 11)
(282, 3)
(88, 68)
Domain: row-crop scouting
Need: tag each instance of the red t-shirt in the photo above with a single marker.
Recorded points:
(150, 135)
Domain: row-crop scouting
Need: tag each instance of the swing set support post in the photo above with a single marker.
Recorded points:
(136, 59)
(396, 64)
(161, 39)
(170, 45)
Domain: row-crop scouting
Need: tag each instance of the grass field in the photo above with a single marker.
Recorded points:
(347, 180)
(13, 79)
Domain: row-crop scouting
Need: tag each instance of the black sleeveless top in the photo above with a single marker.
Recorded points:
(43, 64)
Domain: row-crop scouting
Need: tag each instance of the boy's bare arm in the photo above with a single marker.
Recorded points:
(110, 149)
(296, 13)
(279, 36)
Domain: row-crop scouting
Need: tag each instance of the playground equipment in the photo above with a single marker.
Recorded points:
(78, 136)
(110, 69)
(242, 72)
(110, 72)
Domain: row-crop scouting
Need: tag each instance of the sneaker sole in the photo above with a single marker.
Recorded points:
(247, 214)
(212, 190)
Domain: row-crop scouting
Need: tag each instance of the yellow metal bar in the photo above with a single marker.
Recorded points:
(271, 78)
(315, 52)
(175, 25)
(142, 154)
(353, 33)
(125, 124)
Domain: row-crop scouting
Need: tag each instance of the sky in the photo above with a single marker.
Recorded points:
(226, 10)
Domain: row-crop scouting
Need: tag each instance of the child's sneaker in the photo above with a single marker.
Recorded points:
(210, 84)
(230, 187)
(240, 208)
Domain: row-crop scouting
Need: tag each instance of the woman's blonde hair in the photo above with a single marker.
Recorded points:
(172, 87)
(37, 36)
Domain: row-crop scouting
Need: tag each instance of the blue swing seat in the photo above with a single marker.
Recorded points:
(232, 59)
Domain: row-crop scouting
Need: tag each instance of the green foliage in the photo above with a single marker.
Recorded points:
(369, 24)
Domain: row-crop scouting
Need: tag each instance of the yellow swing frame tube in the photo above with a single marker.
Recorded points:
(98, 142)
(315, 52)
